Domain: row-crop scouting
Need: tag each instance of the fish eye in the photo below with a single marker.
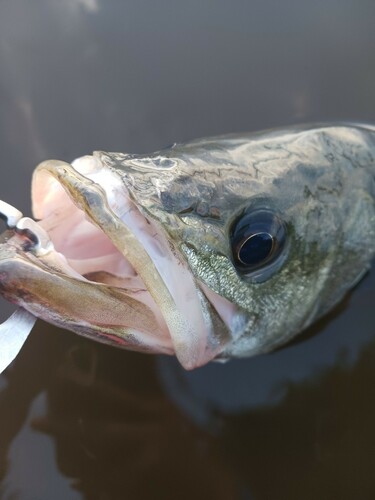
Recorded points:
(257, 240)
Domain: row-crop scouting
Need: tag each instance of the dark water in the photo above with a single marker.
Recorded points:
(81, 420)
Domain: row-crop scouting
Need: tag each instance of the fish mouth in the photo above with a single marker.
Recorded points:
(106, 270)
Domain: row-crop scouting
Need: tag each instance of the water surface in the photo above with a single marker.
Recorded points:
(80, 420)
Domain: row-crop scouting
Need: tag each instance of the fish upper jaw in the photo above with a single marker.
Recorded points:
(111, 257)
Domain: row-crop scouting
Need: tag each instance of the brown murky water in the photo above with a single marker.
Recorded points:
(81, 420)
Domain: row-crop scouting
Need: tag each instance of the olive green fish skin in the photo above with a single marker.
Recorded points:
(319, 179)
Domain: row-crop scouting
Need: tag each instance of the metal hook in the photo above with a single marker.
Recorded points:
(41, 241)
(13, 333)
(15, 330)
(24, 225)
(10, 214)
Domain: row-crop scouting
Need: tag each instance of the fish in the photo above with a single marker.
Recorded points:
(224, 247)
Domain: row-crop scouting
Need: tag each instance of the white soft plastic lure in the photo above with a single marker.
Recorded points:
(222, 247)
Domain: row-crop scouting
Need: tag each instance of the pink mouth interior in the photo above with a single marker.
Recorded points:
(86, 248)
(90, 253)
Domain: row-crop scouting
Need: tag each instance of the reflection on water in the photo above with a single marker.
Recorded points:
(318, 443)
(115, 431)
(339, 337)
(81, 420)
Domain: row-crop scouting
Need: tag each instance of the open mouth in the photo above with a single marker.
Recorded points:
(86, 250)
(132, 288)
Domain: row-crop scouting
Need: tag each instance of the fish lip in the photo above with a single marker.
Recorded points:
(190, 334)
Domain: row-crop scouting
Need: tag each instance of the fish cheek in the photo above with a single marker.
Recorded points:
(278, 304)
(216, 271)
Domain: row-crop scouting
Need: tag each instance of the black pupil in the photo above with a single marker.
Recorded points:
(257, 238)
(256, 249)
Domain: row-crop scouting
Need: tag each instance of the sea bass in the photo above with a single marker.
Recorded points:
(218, 248)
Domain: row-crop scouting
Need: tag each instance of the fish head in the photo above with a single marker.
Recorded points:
(223, 247)
(276, 227)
